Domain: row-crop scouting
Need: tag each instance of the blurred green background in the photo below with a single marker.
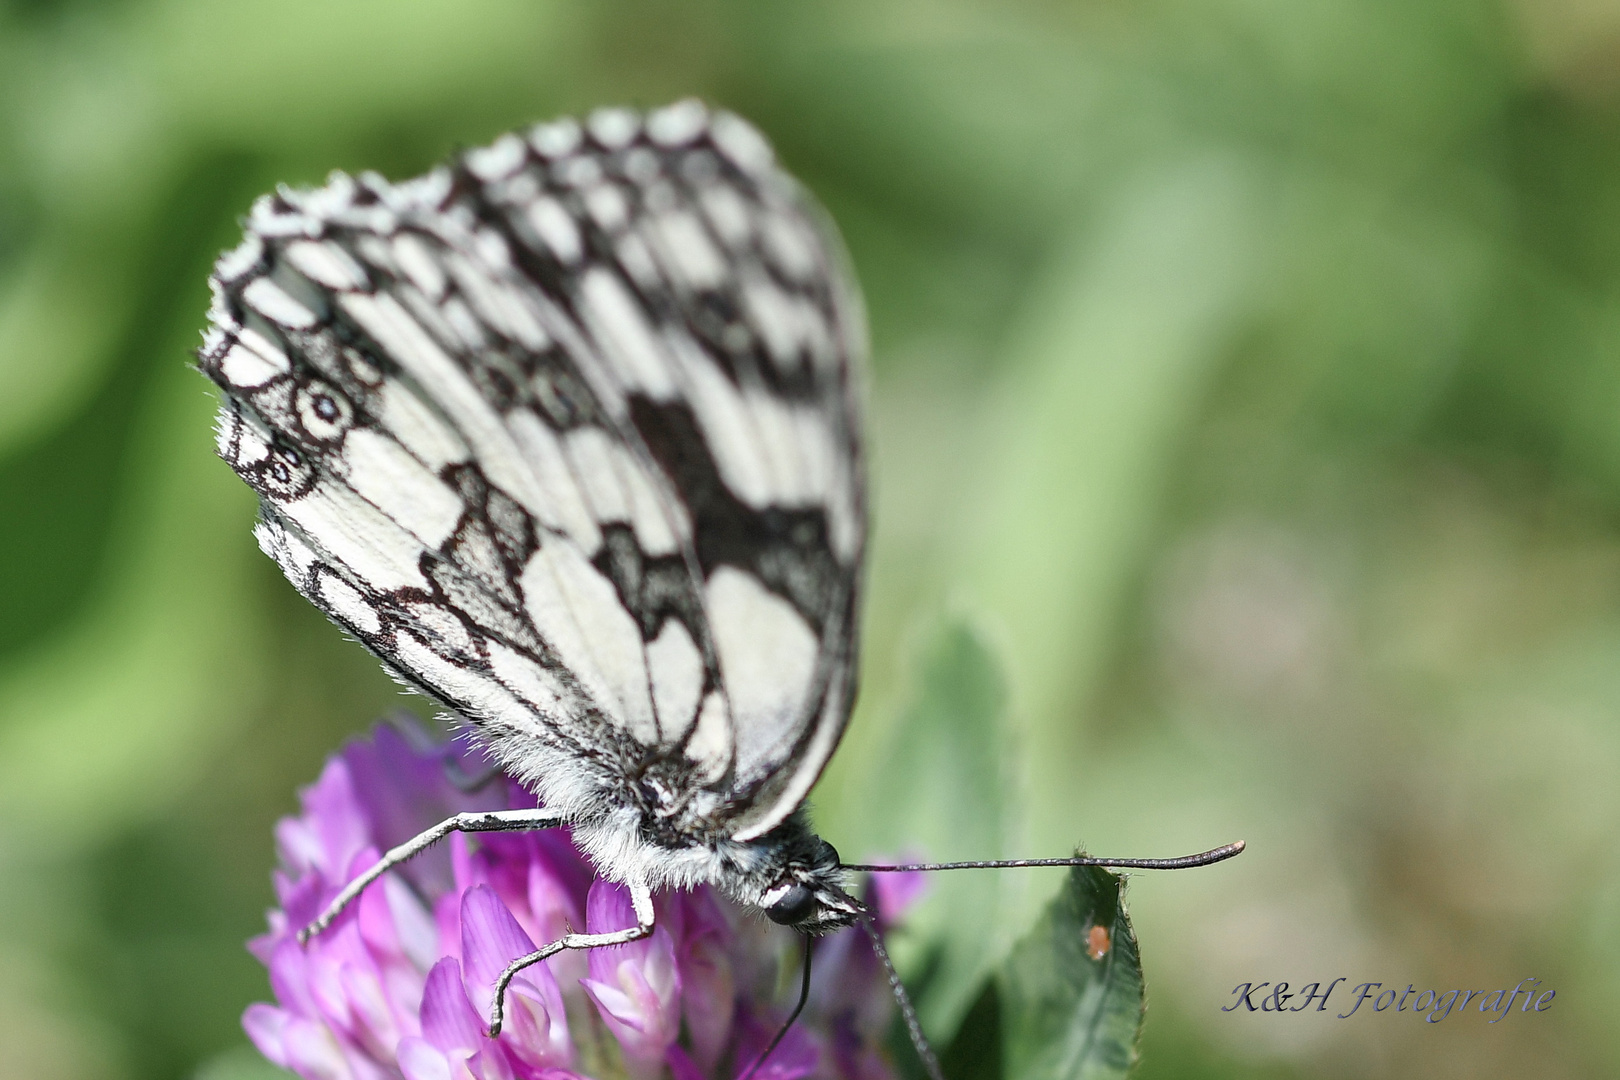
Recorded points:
(1246, 375)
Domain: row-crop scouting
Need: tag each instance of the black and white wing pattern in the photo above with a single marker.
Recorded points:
(567, 433)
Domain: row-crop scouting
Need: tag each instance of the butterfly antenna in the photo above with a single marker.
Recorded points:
(1185, 862)
(908, 1012)
(804, 996)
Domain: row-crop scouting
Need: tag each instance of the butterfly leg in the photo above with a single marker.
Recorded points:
(640, 900)
(479, 821)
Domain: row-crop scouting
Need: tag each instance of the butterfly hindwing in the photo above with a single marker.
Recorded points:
(566, 434)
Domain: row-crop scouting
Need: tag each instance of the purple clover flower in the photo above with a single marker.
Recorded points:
(401, 986)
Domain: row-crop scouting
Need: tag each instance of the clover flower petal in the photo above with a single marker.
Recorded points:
(636, 986)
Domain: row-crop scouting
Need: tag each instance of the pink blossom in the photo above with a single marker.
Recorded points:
(401, 986)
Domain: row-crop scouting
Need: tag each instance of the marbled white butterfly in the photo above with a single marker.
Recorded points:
(567, 432)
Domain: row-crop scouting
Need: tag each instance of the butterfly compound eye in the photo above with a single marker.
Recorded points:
(795, 905)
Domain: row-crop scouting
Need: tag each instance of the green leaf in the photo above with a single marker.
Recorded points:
(1070, 997)
(936, 791)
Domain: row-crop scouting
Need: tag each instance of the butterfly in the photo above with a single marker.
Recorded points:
(568, 433)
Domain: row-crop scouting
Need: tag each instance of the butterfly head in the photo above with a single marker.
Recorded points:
(808, 892)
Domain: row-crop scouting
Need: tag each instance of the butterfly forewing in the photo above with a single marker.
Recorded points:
(565, 432)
